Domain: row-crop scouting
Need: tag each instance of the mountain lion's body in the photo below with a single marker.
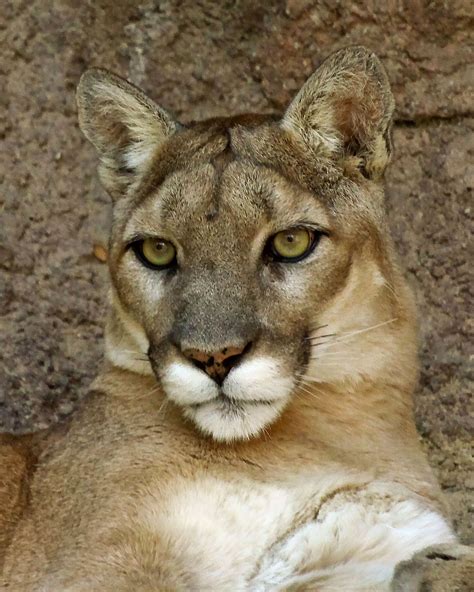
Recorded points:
(252, 427)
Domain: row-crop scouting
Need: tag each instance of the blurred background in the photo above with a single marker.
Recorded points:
(202, 58)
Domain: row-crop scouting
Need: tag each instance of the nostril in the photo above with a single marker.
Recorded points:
(232, 359)
(198, 364)
(217, 365)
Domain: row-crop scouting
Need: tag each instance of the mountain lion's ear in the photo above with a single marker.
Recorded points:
(124, 125)
(345, 109)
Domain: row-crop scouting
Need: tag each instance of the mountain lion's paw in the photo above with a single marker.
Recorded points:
(441, 568)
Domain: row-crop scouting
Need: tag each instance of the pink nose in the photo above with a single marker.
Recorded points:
(218, 364)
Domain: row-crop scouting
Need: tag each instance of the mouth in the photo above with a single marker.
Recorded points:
(234, 404)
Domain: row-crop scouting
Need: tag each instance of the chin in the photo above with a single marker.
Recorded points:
(227, 420)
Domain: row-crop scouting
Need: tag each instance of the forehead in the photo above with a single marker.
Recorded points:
(236, 204)
(226, 179)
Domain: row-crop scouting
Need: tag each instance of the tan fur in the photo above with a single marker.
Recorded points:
(301, 469)
(16, 462)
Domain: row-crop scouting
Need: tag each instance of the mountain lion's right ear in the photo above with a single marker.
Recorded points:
(124, 125)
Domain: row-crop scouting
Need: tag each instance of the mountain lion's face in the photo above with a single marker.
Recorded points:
(239, 247)
(227, 315)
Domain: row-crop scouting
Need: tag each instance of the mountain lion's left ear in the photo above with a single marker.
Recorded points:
(124, 125)
(345, 109)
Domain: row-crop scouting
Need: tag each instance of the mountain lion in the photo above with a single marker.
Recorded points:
(252, 427)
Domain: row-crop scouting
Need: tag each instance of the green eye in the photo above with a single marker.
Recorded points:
(293, 244)
(156, 253)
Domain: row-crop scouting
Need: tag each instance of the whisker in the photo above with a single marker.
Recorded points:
(131, 351)
(390, 288)
(310, 392)
(145, 395)
(331, 353)
(304, 389)
(311, 337)
(320, 343)
(163, 407)
(321, 365)
(313, 378)
(137, 355)
(372, 327)
(347, 336)
(319, 327)
(334, 363)
(337, 358)
(302, 379)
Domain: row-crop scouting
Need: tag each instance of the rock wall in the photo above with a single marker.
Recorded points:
(200, 58)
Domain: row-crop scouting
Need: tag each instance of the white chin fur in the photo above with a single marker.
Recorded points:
(228, 421)
(259, 379)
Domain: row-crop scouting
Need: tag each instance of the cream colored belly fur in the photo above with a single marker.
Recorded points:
(243, 536)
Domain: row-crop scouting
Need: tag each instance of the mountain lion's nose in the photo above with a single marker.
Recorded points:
(218, 364)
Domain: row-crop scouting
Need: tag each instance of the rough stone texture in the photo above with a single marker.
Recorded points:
(201, 58)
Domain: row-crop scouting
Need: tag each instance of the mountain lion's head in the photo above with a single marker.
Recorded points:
(250, 257)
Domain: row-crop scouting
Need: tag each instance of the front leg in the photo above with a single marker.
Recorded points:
(440, 568)
(355, 543)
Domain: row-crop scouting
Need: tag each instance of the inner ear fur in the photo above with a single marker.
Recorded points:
(124, 125)
(345, 110)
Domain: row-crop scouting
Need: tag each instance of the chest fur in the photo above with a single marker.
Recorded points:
(258, 536)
